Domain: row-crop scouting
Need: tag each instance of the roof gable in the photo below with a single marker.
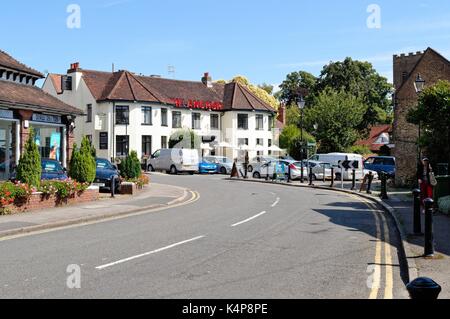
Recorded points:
(238, 97)
(427, 54)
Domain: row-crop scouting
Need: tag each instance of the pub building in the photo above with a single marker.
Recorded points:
(125, 112)
(23, 106)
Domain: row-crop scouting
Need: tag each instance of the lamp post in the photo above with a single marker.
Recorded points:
(301, 105)
(419, 86)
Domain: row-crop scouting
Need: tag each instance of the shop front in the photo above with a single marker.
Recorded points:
(49, 136)
(9, 148)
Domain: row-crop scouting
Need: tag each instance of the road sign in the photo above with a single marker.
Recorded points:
(349, 165)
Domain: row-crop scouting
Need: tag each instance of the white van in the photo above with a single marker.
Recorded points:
(335, 158)
(174, 161)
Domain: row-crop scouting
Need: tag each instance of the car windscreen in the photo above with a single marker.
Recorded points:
(51, 167)
(101, 164)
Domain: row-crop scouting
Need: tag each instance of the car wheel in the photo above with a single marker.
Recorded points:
(223, 171)
(173, 170)
(256, 175)
(250, 168)
(150, 168)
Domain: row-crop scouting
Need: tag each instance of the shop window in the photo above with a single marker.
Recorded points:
(176, 119)
(242, 121)
(214, 122)
(48, 140)
(146, 145)
(122, 115)
(122, 145)
(164, 117)
(146, 115)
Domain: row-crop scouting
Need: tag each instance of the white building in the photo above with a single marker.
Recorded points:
(128, 112)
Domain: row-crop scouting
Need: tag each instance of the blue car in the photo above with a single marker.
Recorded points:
(224, 165)
(207, 167)
(104, 172)
(52, 170)
(381, 164)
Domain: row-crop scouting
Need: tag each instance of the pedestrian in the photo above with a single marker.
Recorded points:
(426, 179)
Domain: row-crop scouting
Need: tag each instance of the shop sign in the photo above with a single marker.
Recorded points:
(6, 114)
(44, 118)
(198, 104)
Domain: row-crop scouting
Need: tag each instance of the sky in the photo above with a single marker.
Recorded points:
(263, 40)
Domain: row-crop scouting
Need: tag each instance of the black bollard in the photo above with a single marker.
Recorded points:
(324, 172)
(384, 194)
(429, 237)
(332, 177)
(302, 175)
(424, 288)
(369, 183)
(289, 174)
(311, 176)
(113, 186)
(417, 218)
(353, 180)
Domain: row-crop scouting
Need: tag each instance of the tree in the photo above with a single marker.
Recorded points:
(266, 87)
(130, 167)
(259, 92)
(82, 166)
(337, 114)
(294, 83)
(185, 138)
(291, 140)
(433, 114)
(29, 170)
(361, 80)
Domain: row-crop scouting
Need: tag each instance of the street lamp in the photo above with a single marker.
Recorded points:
(419, 86)
(301, 103)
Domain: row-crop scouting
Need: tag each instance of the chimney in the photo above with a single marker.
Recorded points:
(74, 67)
(282, 114)
(207, 80)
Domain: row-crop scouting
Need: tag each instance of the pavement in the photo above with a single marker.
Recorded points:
(400, 205)
(233, 241)
(153, 197)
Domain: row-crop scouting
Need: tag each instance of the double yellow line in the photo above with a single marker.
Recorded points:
(382, 236)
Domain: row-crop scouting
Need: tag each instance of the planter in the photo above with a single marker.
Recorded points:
(39, 201)
(127, 188)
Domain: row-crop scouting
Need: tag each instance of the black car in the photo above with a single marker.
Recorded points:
(105, 171)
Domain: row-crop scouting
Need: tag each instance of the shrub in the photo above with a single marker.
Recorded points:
(185, 138)
(14, 192)
(82, 166)
(62, 189)
(29, 170)
(130, 167)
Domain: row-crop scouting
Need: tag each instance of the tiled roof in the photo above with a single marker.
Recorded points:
(9, 62)
(127, 86)
(375, 132)
(56, 81)
(20, 95)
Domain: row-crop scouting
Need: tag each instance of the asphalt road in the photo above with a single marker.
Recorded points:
(239, 240)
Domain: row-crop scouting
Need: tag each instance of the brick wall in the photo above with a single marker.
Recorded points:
(39, 202)
(432, 68)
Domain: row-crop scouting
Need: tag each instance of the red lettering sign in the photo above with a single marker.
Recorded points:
(197, 104)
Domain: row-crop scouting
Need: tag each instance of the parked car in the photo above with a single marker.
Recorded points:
(381, 164)
(224, 164)
(318, 169)
(207, 167)
(52, 170)
(174, 161)
(258, 161)
(104, 173)
(268, 169)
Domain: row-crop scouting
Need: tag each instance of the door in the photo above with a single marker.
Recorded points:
(6, 151)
